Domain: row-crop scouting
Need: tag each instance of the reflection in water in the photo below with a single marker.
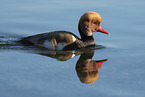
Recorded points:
(86, 68)
(60, 55)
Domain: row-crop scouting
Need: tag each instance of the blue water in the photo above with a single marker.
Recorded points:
(28, 72)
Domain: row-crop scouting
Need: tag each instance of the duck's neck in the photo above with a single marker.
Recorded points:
(85, 38)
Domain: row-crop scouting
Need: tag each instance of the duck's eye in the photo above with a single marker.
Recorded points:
(94, 22)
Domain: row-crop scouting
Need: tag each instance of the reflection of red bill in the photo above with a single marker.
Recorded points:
(99, 63)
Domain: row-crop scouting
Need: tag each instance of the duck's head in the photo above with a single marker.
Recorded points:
(89, 23)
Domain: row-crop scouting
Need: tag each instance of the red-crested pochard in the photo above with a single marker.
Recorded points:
(64, 40)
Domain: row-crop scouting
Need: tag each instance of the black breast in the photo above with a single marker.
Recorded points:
(78, 44)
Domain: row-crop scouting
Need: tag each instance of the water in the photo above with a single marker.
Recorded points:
(32, 72)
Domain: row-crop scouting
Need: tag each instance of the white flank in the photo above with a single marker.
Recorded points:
(48, 45)
(60, 46)
(73, 55)
(74, 39)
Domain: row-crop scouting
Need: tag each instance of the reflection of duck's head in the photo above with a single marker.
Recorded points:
(87, 73)
(87, 69)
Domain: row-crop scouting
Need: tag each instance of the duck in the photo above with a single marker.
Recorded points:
(66, 40)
